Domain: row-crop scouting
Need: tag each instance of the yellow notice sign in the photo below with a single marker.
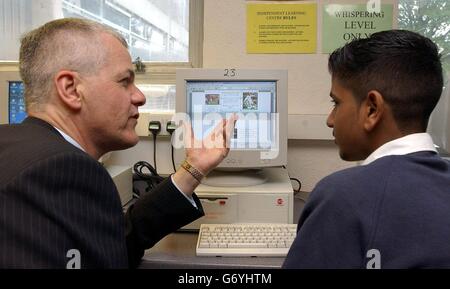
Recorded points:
(281, 28)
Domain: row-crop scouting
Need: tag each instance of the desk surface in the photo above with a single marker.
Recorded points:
(177, 251)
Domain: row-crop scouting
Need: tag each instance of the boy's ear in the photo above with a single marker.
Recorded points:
(374, 108)
(68, 88)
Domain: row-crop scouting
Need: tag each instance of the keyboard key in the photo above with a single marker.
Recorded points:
(247, 245)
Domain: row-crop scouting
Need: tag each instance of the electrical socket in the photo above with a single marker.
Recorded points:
(146, 117)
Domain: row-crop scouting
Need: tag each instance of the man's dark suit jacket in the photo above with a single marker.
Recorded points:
(55, 197)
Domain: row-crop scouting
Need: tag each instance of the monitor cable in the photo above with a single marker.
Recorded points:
(297, 191)
(151, 178)
(295, 180)
(154, 127)
(299, 185)
(170, 128)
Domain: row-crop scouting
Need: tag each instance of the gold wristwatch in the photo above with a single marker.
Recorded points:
(192, 170)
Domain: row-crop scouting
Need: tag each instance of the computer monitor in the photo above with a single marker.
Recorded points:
(12, 102)
(439, 124)
(16, 102)
(258, 97)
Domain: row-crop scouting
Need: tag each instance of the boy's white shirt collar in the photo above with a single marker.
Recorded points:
(405, 145)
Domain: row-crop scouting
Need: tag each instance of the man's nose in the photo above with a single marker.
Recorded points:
(138, 97)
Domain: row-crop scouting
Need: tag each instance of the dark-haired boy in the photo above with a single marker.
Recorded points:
(393, 211)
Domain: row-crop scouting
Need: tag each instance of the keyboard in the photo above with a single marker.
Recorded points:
(234, 240)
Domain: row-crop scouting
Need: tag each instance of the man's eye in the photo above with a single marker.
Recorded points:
(334, 102)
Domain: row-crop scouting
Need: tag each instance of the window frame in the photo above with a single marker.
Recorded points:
(162, 72)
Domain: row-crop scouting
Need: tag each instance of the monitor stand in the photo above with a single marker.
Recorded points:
(240, 178)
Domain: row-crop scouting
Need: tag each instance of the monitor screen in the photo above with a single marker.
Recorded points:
(253, 101)
(16, 102)
(259, 98)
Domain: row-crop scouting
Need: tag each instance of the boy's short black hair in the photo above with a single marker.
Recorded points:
(403, 66)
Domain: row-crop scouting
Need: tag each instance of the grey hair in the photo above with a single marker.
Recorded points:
(70, 43)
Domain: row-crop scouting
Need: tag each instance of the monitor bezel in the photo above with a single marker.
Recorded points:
(241, 158)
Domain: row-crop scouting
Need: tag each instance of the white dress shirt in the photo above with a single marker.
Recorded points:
(405, 145)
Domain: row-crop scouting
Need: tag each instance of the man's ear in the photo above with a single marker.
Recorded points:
(68, 88)
(373, 109)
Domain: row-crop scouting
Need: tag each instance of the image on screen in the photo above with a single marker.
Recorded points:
(253, 101)
(16, 104)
